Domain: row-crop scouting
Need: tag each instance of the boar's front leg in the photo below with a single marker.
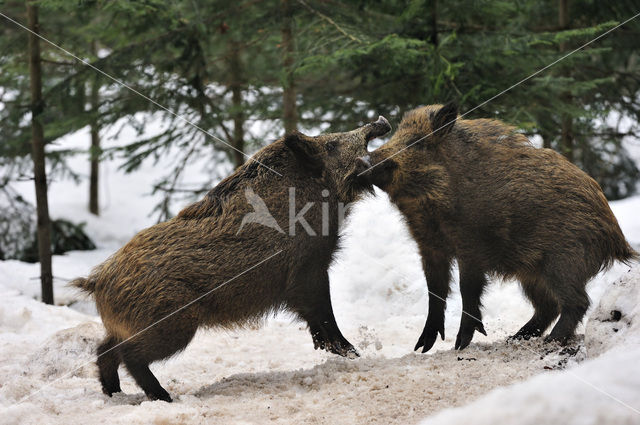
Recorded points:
(472, 283)
(311, 299)
(437, 270)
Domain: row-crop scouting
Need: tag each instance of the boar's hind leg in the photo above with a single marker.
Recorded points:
(157, 342)
(545, 305)
(574, 302)
(108, 362)
(311, 299)
(438, 274)
(472, 284)
(139, 369)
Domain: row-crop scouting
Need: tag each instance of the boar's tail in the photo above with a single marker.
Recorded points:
(86, 284)
(629, 255)
(625, 253)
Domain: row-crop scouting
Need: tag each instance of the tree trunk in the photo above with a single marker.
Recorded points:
(434, 22)
(563, 14)
(289, 109)
(236, 84)
(566, 135)
(546, 137)
(37, 154)
(94, 151)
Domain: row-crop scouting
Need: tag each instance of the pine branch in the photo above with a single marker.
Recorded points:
(331, 21)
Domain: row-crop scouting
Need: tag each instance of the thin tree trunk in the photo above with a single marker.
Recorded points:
(563, 14)
(434, 22)
(289, 109)
(37, 154)
(94, 152)
(566, 135)
(546, 137)
(567, 139)
(235, 69)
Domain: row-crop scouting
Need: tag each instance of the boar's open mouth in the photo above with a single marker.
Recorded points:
(363, 165)
(379, 174)
(356, 183)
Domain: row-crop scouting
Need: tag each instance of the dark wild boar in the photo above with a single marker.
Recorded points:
(479, 192)
(210, 266)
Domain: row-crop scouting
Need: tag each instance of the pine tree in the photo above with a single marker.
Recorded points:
(392, 56)
(39, 171)
(305, 63)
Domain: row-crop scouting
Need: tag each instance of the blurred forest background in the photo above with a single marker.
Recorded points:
(300, 64)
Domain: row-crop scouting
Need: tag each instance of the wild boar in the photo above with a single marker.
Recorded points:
(479, 192)
(222, 263)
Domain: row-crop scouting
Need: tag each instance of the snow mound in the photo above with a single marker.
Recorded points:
(69, 352)
(616, 320)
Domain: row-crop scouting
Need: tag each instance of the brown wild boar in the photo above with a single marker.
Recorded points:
(226, 261)
(479, 192)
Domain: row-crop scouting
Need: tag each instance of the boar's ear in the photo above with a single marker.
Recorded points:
(305, 151)
(444, 119)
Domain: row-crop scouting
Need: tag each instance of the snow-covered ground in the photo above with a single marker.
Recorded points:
(272, 373)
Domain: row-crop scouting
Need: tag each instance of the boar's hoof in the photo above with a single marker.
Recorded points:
(350, 352)
(561, 340)
(520, 337)
(164, 396)
(467, 329)
(426, 342)
(340, 347)
(463, 340)
(526, 333)
(429, 335)
(110, 393)
(344, 350)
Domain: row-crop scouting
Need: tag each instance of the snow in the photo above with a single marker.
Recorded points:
(271, 373)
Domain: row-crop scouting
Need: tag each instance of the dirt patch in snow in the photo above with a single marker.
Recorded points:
(378, 390)
(372, 389)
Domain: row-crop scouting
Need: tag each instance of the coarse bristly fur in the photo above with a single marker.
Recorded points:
(479, 192)
(142, 290)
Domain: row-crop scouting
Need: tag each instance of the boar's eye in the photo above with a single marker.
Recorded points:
(331, 146)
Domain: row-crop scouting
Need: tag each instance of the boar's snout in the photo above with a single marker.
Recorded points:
(376, 129)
